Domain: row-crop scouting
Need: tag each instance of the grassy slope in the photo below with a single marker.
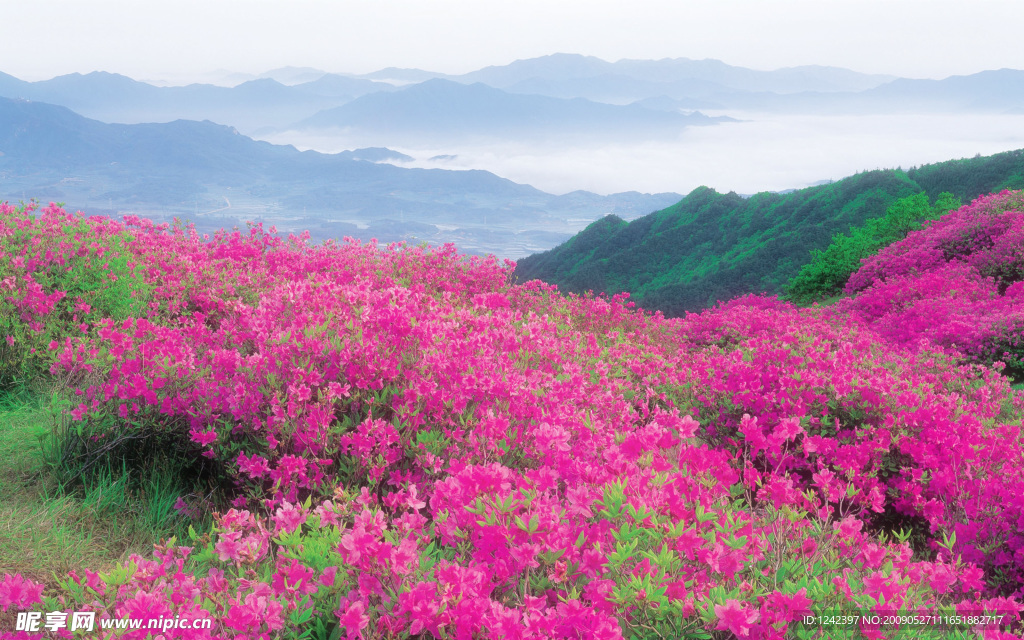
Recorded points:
(712, 246)
(55, 518)
(41, 533)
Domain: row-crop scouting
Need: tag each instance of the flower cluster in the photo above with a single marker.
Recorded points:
(427, 447)
(957, 282)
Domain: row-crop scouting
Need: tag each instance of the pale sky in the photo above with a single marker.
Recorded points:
(152, 39)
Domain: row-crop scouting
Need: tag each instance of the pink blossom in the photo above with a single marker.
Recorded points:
(288, 518)
(353, 619)
(734, 616)
(19, 592)
(203, 438)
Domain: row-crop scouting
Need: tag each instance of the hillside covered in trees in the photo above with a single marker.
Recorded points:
(711, 246)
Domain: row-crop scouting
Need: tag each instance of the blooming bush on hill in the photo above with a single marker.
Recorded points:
(958, 282)
(423, 449)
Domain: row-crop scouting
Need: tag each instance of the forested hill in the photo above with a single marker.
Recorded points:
(711, 246)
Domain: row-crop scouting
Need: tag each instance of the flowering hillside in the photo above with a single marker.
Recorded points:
(959, 282)
(420, 448)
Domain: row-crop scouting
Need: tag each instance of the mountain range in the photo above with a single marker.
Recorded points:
(444, 111)
(248, 106)
(285, 97)
(562, 67)
(569, 75)
(997, 92)
(216, 176)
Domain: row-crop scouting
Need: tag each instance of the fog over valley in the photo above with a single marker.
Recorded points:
(758, 152)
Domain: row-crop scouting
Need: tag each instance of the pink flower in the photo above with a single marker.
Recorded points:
(288, 518)
(752, 433)
(292, 577)
(789, 428)
(327, 577)
(848, 527)
(942, 578)
(873, 555)
(256, 466)
(353, 619)
(19, 592)
(414, 502)
(687, 427)
(734, 616)
(78, 412)
(203, 438)
(228, 548)
(404, 556)
(420, 603)
(254, 612)
(328, 513)
(809, 547)
(182, 507)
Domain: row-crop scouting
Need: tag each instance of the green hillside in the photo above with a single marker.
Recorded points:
(827, 272)
(712, 246)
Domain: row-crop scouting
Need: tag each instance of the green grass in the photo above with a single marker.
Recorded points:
(56, 515)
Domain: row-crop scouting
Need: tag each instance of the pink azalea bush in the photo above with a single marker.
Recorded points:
(959, 283)
(423, 448)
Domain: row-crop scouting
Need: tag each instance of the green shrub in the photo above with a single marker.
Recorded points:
(827, 272)
(95, 273)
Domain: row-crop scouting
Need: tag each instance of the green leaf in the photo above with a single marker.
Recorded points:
(737, 543)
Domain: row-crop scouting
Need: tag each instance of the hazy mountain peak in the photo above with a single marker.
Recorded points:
(396, 75)
(262, 82)
(293, 75)
(92, 76)
(443, 110)
(554, 66)
(376, 154)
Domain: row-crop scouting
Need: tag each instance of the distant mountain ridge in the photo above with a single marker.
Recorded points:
(281, 97)
(447, 110)
(217, 176)
(563, 67)
(711, 246)
(996, 90)
(254, 104)
(294, 75)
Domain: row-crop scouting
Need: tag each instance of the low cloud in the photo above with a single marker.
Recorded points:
(762, 152)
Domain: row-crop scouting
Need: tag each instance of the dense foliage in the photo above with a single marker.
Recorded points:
(969, 178)
(827, 272)
(712, 247)
(424, 448)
